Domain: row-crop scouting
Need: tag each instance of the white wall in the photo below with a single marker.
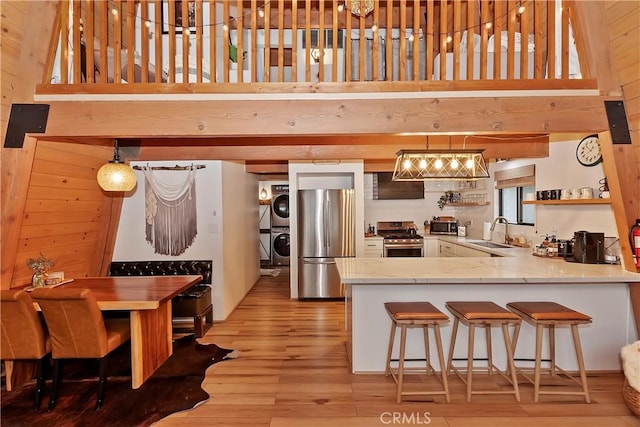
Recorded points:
(420, 210)
(562, 170)
(227, 216)
(241, 257)
(559, 170)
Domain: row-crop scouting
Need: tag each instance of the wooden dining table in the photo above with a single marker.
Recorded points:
(148, 301)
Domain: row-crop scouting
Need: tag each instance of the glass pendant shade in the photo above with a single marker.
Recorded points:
(416, 165)
(116, 175)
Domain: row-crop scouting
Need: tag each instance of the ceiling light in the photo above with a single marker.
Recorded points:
(116, 175)
(416, 165)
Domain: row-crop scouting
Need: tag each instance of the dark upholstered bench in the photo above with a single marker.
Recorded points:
(194, 303)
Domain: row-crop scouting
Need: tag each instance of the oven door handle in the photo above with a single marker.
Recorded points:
(402, 246)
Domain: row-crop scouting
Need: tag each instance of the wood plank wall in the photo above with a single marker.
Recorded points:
(624, 29)
(67, 215)
(14, 15)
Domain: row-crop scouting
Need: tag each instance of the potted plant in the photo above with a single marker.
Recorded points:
(447, 197)
(39, 266)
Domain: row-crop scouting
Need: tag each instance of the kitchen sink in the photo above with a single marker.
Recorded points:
(489, 244)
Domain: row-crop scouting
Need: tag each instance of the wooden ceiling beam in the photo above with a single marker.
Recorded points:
(262, 153)
(312, 117)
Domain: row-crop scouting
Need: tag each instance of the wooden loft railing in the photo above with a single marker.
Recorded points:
(377, 45)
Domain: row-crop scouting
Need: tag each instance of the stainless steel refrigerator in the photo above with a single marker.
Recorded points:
(326, 230)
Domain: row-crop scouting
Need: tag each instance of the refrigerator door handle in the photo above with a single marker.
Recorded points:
(315, 261)
(328, 222)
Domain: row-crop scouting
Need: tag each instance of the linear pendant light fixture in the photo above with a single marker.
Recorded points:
(116, 175)
(417, 165)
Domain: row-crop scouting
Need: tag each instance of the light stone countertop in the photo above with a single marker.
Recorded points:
(513, 266)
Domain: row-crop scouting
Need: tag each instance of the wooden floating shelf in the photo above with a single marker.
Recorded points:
(569, 202)
(468, 204)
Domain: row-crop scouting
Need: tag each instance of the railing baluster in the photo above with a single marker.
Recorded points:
(551, 42)
(64, 42)
(184, 32)
(254, 43)
(89, 40)
(497, 39)
(129, 20)
(239, 41)
(564, 57)
(267, 42)
(403, 39)
(200, 43)
(307, 32)
(484, 41)
(348, 70)
(389, 41)
(524, 43)
(321, 41)
(213, 31)
(362, 45)
(457, 24)
(280, 41)
(335, 44)
(144, 42)
(75, 41)
(511, 34)
(541, 50)
(117, 45)
(443, 34)
(471, 35)
(428, 58)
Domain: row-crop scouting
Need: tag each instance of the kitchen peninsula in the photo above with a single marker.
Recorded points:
(512, 274)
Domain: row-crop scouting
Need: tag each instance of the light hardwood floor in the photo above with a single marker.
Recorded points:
(293, 372)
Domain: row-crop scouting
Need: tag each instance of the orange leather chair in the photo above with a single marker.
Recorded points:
(23, 336)
(78, 331)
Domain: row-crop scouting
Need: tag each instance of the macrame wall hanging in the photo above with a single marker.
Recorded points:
(170, 210)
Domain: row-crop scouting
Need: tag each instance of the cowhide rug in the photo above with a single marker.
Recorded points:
(175, 386)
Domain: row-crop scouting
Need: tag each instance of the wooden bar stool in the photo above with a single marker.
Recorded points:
(415, 314)
(549, 315)
(484, 314)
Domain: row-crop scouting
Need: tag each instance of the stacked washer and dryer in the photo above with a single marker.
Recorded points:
(280, 225)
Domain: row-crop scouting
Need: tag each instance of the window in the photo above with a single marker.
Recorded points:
(511, 207)
(513, 185)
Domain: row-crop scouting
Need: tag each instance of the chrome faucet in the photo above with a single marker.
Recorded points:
(506, 227)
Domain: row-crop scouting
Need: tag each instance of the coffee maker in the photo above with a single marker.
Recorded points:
(588, 248)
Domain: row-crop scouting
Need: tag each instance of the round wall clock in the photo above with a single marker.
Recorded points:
(588, 152)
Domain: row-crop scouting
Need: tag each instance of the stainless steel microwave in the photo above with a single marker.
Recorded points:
(444, 227)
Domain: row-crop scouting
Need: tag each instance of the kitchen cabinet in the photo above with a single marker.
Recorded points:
(464, 251)
(431, 247)
(373, 247)
(448, 249)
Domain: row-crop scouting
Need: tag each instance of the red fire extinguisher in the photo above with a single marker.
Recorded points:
(634, 240)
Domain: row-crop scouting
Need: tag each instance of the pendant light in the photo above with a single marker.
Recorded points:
(417, 165)
(116, 175)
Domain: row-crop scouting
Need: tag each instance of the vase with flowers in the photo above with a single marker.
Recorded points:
(39, 266)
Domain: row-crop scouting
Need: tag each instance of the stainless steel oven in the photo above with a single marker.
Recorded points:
(400, 239)
(403, 247)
